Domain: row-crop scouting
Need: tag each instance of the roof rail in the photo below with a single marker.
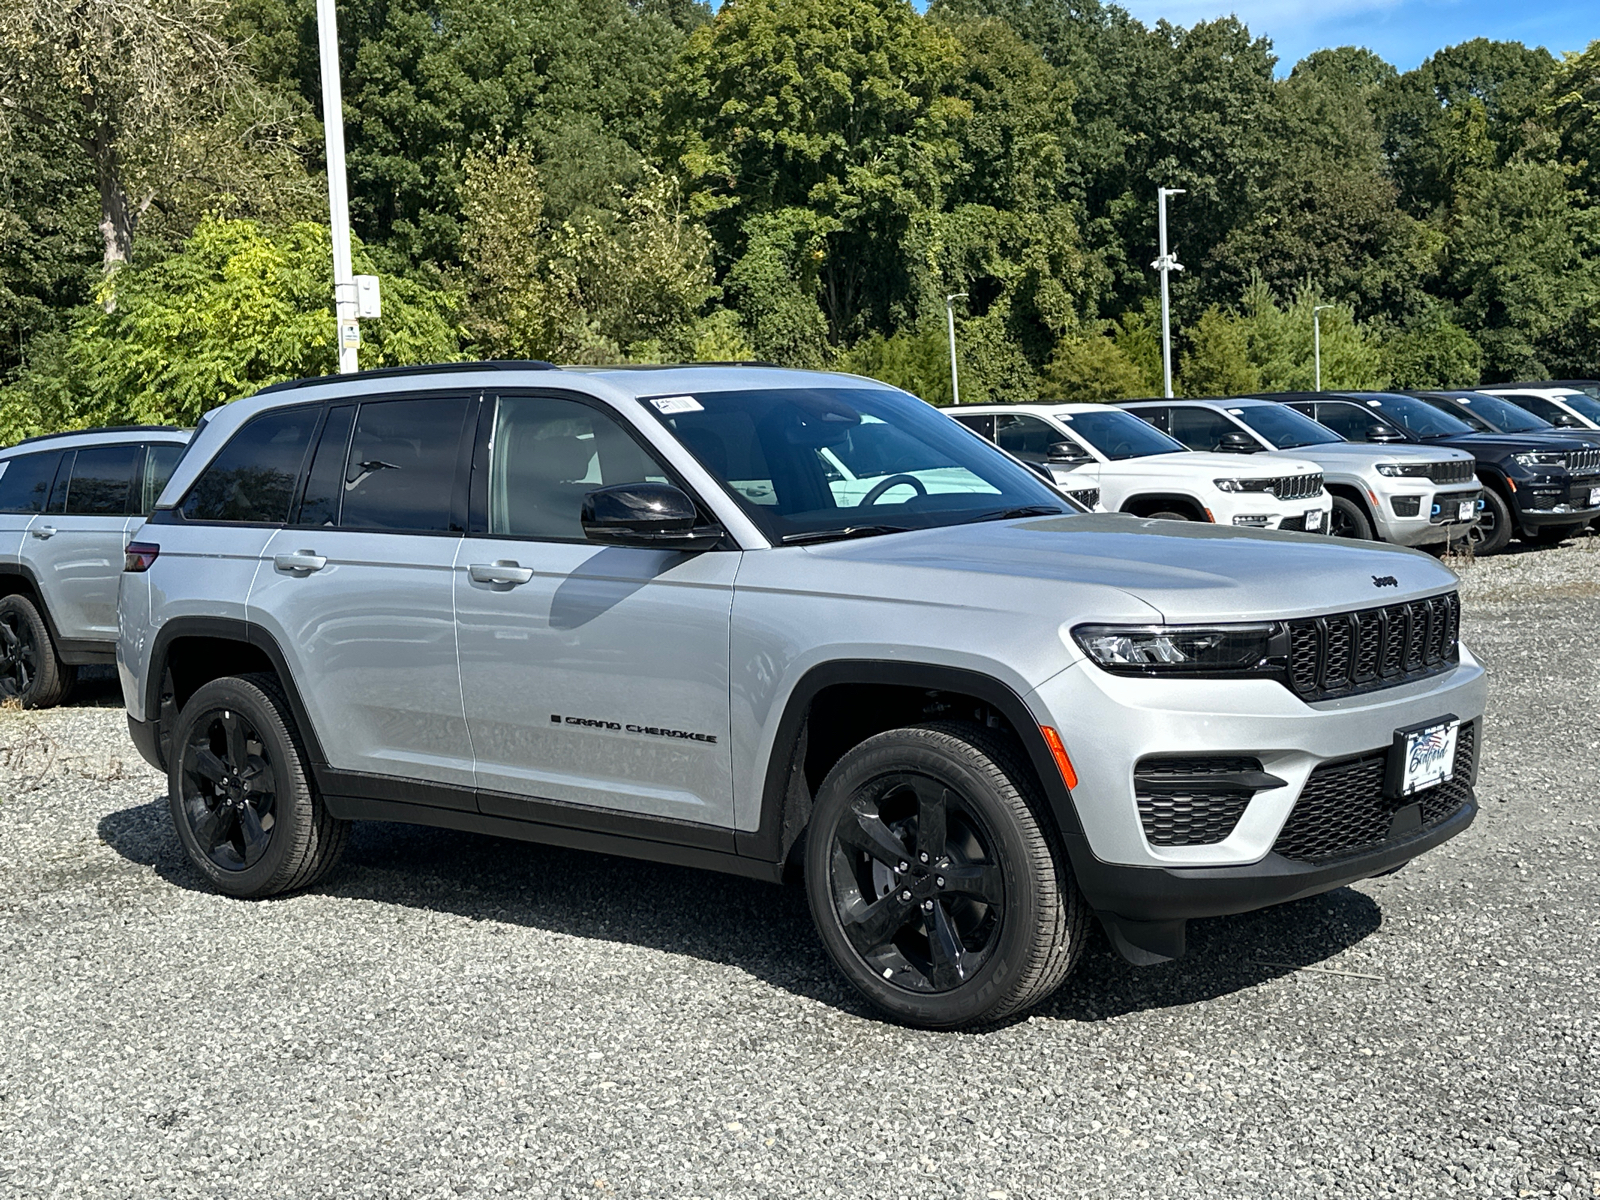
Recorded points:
(503, 364)
(732, 362)
(45, 437)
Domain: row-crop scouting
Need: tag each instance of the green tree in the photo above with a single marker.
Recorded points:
(1092, 367)
(239, 307)
(1571, 106)
(1432, 352)
(1280, 343)
(1217, 360)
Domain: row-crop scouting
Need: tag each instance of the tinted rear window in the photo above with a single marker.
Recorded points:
(254, 477)
(102, 477)
(402, 468)
(25, 482)
(160, 461)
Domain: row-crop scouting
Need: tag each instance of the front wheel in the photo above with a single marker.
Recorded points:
(241, 796)
(936, 886)
(1347, 520)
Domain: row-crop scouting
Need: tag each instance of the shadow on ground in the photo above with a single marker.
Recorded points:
(756, 927)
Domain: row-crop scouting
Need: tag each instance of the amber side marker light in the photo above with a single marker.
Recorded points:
(1059, 753)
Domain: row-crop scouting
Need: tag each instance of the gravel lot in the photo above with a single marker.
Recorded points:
(458, 1016)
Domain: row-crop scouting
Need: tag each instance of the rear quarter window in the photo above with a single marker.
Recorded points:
(25, 482)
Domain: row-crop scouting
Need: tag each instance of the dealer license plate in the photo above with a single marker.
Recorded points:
(1429, 756)
(1465, 510)
(1594, 497)
(1314, 520)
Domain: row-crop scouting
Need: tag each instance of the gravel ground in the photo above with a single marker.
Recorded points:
(458, 1016)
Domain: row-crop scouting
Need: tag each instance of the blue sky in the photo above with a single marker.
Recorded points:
(1403, 31)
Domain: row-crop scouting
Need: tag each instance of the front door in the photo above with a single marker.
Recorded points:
(356, 590)
(591, 675)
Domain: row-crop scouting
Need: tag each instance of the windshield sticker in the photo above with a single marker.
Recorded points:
(668, 405)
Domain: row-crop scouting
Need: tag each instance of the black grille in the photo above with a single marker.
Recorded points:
(1342, 809)
(1297, 487)
(1459, 471)
(1583, 462)
(1088, 497)
(1343, 653)
(1194, 800)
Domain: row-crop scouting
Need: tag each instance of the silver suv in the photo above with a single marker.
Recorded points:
(765, 621)
(67, 504)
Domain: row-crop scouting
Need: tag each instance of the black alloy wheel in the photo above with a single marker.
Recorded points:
(229, 790)
(19, 656)
(1492, 530)
(1346, 520)
(915, 883)
(30, 672)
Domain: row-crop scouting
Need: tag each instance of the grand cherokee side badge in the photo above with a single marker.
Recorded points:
(1385, 581)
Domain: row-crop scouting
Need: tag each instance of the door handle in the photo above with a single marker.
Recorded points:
(300, 560)
(43, 531)
(504, 571)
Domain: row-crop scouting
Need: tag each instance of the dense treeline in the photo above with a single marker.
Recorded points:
(801, 181)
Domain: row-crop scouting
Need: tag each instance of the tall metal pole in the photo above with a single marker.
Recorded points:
(950, 320)
(1316, 341)
(1166, 263)
(344, 286)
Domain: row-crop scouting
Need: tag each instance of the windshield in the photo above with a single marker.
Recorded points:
(1420, 418)
(1117, 434)
(1501, 416)
(1582, 404)
(807, 463)
(1284, 427)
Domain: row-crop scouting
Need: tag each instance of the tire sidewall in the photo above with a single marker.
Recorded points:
(288, 771)
(1360, 527)
(1495, 502)
(903, 751)
(49, 684)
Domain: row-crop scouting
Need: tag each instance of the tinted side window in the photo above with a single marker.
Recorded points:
(402, 468)
(1199, 428)
(253, 478)
(979, 423)
(1537, 405)
(547, 454)
(1153, 416)
(25, 482)
(1028, 438)
(325, 484)
(58, 490)
(1348, 420)
(160, 460)
(102, 477)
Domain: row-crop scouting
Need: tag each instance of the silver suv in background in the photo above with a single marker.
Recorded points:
(774, 622)
(1386, 493)
(67, 504)
(1102, 455)
(1564, 408)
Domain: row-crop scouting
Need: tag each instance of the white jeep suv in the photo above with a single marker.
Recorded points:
(1102, 455)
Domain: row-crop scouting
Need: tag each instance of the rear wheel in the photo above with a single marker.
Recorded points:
(30, 671)
(1348, 520)
(936, 886)
(241, 797)
(1493, 529)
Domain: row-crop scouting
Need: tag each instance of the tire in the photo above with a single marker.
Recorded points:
(1169, 515)
(1492, 531)
(30, 670)
(1553, 535)
(1349, 520)
(241, 797)
(994, 921)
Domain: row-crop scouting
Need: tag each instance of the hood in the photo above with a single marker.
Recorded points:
(1249, 466)
(1496, 444)
(1185, 571)
(1356, 455)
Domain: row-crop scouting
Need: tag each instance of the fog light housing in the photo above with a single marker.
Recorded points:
(1252, 522)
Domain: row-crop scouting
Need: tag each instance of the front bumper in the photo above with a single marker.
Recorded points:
(1426, 525)
(1546, 502)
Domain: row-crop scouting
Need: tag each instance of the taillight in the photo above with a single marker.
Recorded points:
(139, 556)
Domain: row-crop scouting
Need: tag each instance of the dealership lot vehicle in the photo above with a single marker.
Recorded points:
(1564, 408)
(642, 611)
(1376, 493)
(454, 1014)
(1097, 452)
(67, 504)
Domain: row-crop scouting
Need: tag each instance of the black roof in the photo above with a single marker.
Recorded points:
(45, 437)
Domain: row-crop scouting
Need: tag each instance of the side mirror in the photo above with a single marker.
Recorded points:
(1237, 441)
(1379, 432)
(1565, 421)
(652, 515)
(1067, 454)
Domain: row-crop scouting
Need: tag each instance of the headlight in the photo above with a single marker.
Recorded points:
(1541, 458)
(1182, 649)
(1405, 470)
(1229, 485)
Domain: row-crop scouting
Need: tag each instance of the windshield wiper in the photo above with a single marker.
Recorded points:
(1027, 510)
(835, 535)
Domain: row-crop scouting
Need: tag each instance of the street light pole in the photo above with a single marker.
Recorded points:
(1166, 263)
(344, 285)
(950, 320)
(1316, 341)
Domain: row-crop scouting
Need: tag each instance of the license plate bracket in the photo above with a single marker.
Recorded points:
(1314, 520)
(1594, 497)
(1423, 756)
(1466, 510)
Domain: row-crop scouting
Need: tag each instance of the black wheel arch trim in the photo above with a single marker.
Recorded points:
(786, 798)
(229, 629)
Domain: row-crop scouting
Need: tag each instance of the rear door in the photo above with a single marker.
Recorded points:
(76, 544)
(592, 675)
(357, 590)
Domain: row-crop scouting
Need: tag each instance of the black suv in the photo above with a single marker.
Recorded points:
(1541, 485)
